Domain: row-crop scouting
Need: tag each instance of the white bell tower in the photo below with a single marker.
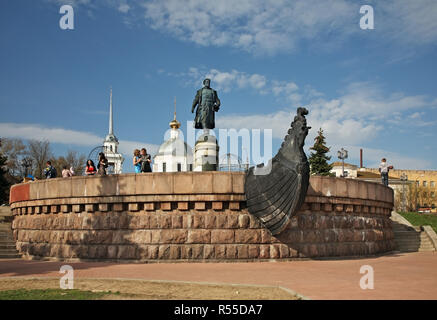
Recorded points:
(110, 144)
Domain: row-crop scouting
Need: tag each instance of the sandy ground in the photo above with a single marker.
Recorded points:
(151, 290)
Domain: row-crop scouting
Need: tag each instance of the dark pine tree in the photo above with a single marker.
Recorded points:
(4, 183)
(318, 159)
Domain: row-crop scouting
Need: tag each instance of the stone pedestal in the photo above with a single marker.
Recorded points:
(206, 151)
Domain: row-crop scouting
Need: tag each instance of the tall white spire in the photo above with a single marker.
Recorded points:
(110, 144)
(111, 130)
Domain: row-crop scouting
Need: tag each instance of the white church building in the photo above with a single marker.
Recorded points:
(174, 154)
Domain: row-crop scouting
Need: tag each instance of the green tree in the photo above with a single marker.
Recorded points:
(318, 159)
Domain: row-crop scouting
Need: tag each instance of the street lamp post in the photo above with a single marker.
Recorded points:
(26, 163)
(342, 154)
(404, 179)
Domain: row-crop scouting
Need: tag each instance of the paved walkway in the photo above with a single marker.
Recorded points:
(398, 276)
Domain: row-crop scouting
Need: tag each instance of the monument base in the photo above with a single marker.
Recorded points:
(193, 217)
(206, 152)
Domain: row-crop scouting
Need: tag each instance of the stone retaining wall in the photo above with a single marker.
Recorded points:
(193, 217)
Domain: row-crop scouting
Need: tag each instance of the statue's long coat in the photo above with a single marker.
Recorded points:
(205, 114)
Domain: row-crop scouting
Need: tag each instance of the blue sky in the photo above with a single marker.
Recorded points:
(371, 89)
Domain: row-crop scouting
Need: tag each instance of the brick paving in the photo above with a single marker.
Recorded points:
(397, 276)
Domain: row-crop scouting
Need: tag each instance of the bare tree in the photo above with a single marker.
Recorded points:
(15, 150)
(77, 161)
(40, 152)
(71, 160)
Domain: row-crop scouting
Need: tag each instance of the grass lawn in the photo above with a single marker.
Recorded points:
(51, 294)
(420, 219)
(116, 289)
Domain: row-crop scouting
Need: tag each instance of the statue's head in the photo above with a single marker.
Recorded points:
(207, 82)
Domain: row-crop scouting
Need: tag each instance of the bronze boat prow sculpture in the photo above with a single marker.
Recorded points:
(275, 192)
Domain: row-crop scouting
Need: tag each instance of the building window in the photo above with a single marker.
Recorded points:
(425, 183)
(164, 167)
(432, 194)
(179, 167)
(432, 184)
(417, 183)
(190, 167)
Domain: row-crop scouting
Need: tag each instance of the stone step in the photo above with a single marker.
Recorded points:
(414, 244)
(10, 256)
(409, 248)
(402, 228)
(5, 234)
(424, 238)
(407, 232)
(409, 237)
(8, 251)
(7, 246)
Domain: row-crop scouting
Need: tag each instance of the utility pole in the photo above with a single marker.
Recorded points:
(342, 154)
(404, 179)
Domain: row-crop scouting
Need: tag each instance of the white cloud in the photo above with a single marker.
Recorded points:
(275, 26)
(408, 22)
(225, 80)
(68, 137)
(265, 26)
(354, 118)
(271, 26)
(123, 8)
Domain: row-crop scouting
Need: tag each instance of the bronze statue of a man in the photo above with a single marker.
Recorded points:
(207, 103)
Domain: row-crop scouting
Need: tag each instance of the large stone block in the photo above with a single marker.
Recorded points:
(238, 182)
(200, 236)
(329, 187)
(163, 183)
(125, 184)
(202, 183)
(341, 187)
(208, 251)
(144, 184)
(371, 191)
(222, 236)
(247, 236)
(183, 183)
(221, 182)
(173, 236)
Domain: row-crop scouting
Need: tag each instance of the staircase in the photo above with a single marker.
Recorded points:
(7, 243)
(411, 239)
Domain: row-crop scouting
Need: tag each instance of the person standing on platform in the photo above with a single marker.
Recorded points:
(145, 161)
(66, 173)
(137, 161)
(384, 168)
(103, 164)
(90, 168)
(50, 171)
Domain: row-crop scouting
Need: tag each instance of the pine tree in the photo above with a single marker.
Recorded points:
(4, 184)
(319, 160)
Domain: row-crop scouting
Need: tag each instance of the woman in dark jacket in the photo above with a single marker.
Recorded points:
(103, 164)
(145, 161)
